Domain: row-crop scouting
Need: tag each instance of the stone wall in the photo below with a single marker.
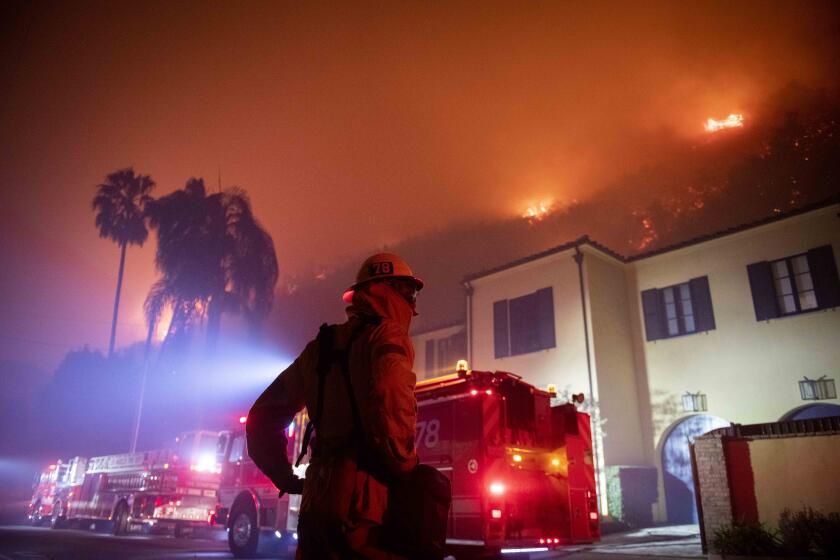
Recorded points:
(711, 477)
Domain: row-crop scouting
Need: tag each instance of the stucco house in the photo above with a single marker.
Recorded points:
(739, 326)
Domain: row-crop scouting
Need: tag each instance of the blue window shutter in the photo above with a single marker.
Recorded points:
(701, 299)
(430, 357)
(824, 274)
(501, 339)
(763, 291)
(654, 312)
(545, 318)
(523, 324)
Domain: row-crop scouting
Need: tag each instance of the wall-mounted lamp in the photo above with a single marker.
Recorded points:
(817, 389)
(694, 402)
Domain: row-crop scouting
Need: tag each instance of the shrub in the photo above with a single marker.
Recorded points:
(810, 532)
(746, 539)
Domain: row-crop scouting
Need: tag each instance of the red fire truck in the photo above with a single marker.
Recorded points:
(168, 488)
(41, 507)
(249, 507)
(522, 471)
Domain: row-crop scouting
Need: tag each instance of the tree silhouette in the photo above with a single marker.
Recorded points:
(120, 209)
(214, 257)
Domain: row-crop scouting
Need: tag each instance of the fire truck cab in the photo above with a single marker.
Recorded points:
(46, 490)
(522, 471)
(253, 514)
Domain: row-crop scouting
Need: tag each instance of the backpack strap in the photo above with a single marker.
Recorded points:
(326, 340)
(344, 363)
(327, 356)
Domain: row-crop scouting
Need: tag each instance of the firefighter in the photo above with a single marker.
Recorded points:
(344, 502)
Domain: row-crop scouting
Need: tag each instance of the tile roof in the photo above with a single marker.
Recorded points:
(585, 240)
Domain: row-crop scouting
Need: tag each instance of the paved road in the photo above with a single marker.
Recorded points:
(38, 543)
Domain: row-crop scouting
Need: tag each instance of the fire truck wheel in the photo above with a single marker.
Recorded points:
(181, 532)
(121, 519)
(56, 517)
(36, 518)
(244, 533)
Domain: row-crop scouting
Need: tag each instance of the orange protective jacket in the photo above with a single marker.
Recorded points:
(380, 368)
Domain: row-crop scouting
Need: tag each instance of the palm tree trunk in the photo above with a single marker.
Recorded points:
(136, 431)
(117, 301)
(214, 323)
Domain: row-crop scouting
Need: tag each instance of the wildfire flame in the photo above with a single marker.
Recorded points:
(732, 121)
(537, 212)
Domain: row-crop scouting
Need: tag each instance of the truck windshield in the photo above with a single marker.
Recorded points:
(199, 449)
(237, 449)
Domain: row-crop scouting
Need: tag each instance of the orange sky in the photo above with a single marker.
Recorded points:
(350, 125)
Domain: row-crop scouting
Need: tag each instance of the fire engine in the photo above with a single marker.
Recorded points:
(253, 514)
(522, 471)
(167, 488)
(43, 496)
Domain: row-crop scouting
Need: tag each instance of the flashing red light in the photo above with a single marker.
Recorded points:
(497, 488)
(556, 541)
(243, 419)
(474, 392)
(496, 513)
(593, 515)
(542, 541)
(489, 391)
(52, 467)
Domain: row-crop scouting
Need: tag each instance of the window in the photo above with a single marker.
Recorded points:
(678, 310)
(430, 358)
(794, 284)
(237, 449)
(442, 354)
(524, 324)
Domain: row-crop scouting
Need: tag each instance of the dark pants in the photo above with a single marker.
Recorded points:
(320, 539)
(341, 514)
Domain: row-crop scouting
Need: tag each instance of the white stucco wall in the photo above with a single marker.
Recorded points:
(613, 367)
(565, 364)
(748, 369)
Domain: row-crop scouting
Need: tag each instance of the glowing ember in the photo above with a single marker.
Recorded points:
(538, 212)
(732, 121)
(649, 234)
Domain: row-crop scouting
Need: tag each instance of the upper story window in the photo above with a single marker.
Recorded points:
(679, 309)
(524, 324)
(442, 354)
(794, 284)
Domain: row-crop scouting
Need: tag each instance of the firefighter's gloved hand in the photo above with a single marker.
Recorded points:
(293, 485)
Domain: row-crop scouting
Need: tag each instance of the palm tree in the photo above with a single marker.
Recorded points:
(120, 216)
(214, 258)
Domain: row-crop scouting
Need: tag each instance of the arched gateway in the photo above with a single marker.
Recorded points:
(676, 465)
(812, 411)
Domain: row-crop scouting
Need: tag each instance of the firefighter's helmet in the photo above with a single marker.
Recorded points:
(381, 266)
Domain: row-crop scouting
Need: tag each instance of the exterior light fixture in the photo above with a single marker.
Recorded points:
(694, 402)
(817, 389)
